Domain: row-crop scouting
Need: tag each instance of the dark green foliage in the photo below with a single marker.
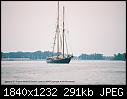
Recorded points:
(91, 57)
(120, 56)
(30, 55)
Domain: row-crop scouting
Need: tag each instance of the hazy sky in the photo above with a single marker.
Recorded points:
(94, 26)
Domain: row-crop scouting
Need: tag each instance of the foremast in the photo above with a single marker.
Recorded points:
(58, 30)
(63, 31)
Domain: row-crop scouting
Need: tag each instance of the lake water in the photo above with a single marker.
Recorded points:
(75, 73)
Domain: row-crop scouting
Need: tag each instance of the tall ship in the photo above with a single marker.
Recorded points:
(60, 44)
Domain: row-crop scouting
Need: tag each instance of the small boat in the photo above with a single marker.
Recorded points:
(60, 40)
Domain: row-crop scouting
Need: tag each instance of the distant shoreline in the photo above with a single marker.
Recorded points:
(39, 55)
(27, 59)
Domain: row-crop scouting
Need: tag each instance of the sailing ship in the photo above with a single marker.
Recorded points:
(60, 40)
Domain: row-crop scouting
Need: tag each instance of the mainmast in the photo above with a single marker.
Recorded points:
(58, 31)
(63, 31)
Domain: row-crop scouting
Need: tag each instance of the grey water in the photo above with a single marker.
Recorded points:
(75, 73)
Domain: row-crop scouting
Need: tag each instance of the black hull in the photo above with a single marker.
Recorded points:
(60, 61)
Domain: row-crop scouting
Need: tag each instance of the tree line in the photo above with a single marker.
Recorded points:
(43, 55)
(30, 55)
(96, 56)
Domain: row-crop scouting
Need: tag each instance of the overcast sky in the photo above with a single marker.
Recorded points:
(94, 26)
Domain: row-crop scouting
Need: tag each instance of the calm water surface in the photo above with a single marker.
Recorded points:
(75, 73)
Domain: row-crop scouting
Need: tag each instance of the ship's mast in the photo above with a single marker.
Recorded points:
(58, 30)
(63, 31)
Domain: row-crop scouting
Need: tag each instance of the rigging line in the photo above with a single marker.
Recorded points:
(60, 43)
(66, 44)
(54, 44)
(69, 43)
